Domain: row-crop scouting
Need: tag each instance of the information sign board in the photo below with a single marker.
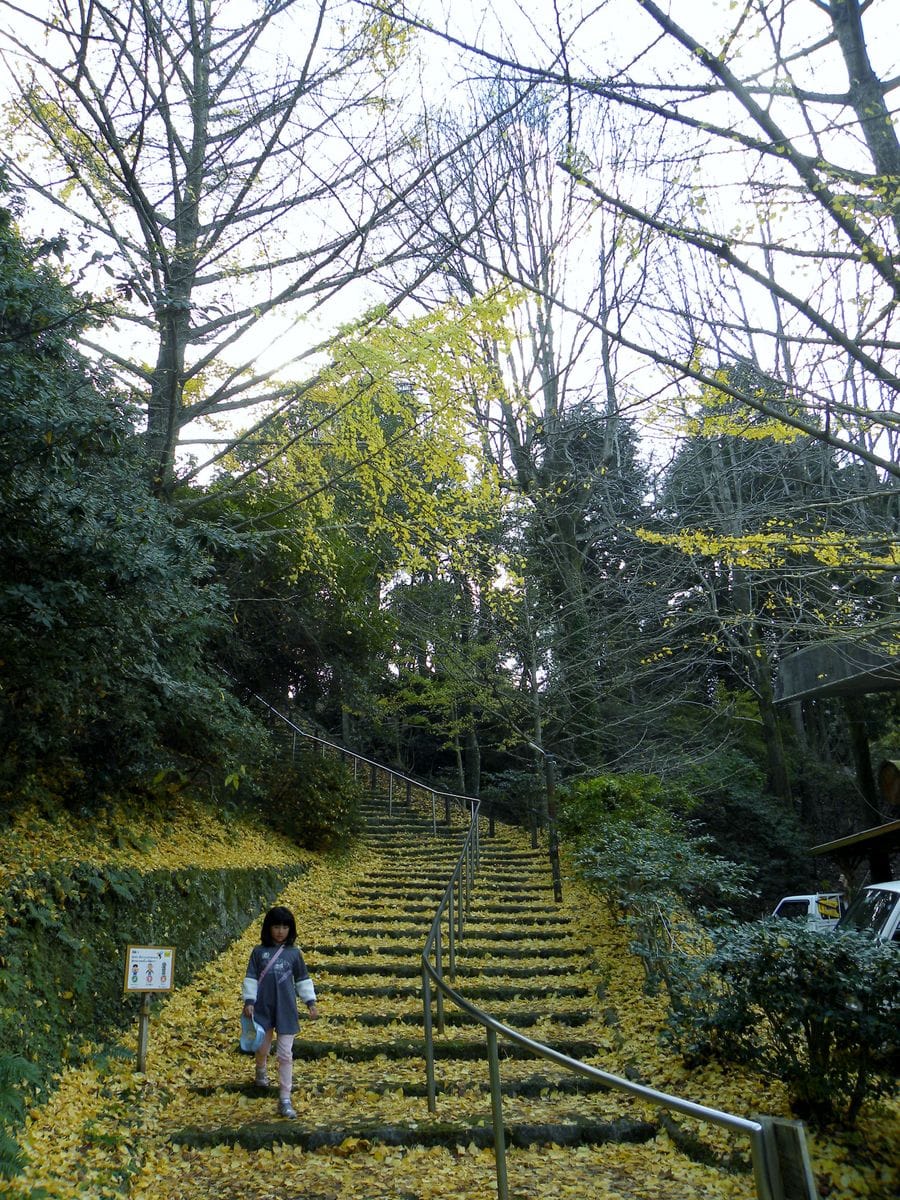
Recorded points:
(149, 968)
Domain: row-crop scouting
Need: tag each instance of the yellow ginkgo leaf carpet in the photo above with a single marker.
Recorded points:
(196, 1126)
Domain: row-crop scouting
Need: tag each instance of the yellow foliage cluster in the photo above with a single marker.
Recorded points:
(189, 833)
(106, 1131)
(391, 416)
(775, 547)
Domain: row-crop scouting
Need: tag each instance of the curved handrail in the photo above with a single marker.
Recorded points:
(763, 1147)
(465, 803)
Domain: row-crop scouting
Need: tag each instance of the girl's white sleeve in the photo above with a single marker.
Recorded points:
(250, 986)
(303, 985)
(306, 991)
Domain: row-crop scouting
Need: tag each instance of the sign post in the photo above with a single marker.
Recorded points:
(148, 969)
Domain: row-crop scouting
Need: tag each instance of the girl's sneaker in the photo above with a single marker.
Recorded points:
(261, 1079)
(285, 1109)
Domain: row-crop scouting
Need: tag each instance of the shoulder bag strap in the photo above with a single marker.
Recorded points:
(269, 964)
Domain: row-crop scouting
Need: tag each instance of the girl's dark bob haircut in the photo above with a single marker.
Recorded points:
(278, 916)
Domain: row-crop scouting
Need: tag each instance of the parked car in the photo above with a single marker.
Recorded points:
(875, 911)
(820, 910)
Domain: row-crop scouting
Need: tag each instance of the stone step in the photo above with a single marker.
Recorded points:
(465, 1049)
(517, 1018)
(535, 1085)
(409, 880)
(480, 906)
(334, 970)
(552, 923)
(409, 911)
(477, 993)
(386, 930)
(263, 1135)
(384, 828)
(411, 891)
(467, 948)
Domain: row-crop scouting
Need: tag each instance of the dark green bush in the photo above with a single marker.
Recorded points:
(814, 1010)
(516, 796)
(656, 874)
(589, 804)
(107, 598)
(313, 800)
(667, 887)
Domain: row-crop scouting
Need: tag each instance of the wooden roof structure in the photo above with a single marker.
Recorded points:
(849, 669)
(874, 845)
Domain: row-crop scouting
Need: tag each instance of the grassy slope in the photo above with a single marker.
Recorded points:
(104, 1131)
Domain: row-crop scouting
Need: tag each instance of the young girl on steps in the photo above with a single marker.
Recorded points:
(276, 976)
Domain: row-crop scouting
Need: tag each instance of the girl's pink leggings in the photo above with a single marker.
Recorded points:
(284, 1052)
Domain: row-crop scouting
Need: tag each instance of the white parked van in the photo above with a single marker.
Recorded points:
(875, 911)
(820, 910)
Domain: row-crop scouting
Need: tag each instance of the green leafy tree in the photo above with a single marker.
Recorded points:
(106, 604)
(782, 544)
(555, 427)
(368, 481)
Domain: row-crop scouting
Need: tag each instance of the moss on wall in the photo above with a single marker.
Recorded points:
(62, 949)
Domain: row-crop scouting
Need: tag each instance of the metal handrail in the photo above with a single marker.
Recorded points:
(465, 803)
(763, 1145)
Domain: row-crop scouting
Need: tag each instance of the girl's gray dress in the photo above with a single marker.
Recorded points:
(275, 1001)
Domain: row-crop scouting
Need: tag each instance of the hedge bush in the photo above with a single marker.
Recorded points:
(62, 947)
(817, 1011)
(313, 800)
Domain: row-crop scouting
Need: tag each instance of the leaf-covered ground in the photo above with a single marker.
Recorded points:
(191, 1126)
(186, 834)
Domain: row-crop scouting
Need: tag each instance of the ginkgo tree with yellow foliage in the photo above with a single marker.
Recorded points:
(370, 478)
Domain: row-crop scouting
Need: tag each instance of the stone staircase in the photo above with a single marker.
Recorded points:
(363, 1100)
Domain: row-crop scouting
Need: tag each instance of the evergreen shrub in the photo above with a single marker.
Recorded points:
(817, 1011)
(655, 872)
(751, 827)
(14, 1072)
(313, 800)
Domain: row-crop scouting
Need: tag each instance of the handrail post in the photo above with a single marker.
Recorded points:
(470, 872)
(766, 1173)
(429, 1042)
(439, 967)
(459, 900)
(391, 794)
(434, 814)
(451, 930)
(497, 1115)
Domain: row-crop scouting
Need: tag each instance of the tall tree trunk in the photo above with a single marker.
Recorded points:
(779, 775)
